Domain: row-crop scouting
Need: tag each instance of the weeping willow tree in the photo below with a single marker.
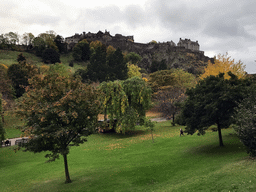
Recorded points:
(126, 101)
(139, 96)
(114, 101)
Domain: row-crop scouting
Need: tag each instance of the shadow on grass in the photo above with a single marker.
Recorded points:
(231, 145)
(128, 134)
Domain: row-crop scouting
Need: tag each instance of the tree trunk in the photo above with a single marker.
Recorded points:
(220, 136)
(68, 180)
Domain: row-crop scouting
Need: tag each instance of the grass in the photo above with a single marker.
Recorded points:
(110, 162)
(11, 126)
(8, 58)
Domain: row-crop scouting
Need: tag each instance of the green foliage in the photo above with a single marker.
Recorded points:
(21, 58)
(133, 58)
(126, 101)
(245, 119)
(158, 65)
(50, 56)
(81, 51)
(19, 75)
(6, 88)
(116, 66)
(39, 45)
(59, 41)
(211, 102)
(114, 101)
(139, 96)
(58, 111)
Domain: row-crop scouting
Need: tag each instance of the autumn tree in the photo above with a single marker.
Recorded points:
(133, 70)
(224, 64)
(58, 110)
(169, 88)
(212, 101)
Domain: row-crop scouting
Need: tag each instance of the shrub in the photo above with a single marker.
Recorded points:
(246, 124)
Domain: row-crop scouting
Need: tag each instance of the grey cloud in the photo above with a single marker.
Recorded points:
(40, 20)
(134, 15)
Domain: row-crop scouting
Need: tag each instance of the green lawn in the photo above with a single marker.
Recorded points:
(8, 58)
(110, 162)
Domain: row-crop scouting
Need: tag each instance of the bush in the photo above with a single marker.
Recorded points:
(51, 56)
(246, 123)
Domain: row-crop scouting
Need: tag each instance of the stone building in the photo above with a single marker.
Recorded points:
(188, 44)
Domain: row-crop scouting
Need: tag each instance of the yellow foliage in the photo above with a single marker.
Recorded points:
(224, 64)
(133, 71)
(110, 50)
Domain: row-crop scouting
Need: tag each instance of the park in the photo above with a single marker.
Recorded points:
(56, 112)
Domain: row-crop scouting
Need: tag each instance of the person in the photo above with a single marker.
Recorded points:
(181, 132)
(7, 142)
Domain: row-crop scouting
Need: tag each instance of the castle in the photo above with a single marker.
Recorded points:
(126, 43)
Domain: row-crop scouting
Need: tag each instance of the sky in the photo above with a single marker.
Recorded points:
(220, 26)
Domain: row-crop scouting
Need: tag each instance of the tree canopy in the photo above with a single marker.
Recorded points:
(58, 111)
(245, 120)
(224, 64)
(212, 102)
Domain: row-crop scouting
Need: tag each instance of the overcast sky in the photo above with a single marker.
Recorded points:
(220, 26)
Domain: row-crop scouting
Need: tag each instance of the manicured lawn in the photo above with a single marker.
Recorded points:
(110, 162)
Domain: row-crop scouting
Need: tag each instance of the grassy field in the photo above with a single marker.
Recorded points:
(110, 162)
(8, 58)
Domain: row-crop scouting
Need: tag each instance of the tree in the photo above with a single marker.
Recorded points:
(224, 64)
(51, 56)
(139, 97)
(81, 51)
(21, 58)
(59, 42)
(2, 132)
(28, 39)
(114, 102)
(133, 71)
(97, 69)
(133, 58)
(39, 45)
(117, 68)
(6, 88)
(169, 90)
(126, 102)
(245, 118)
(158, 65)
(58, 111)
(212, 102)
(19, 75)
